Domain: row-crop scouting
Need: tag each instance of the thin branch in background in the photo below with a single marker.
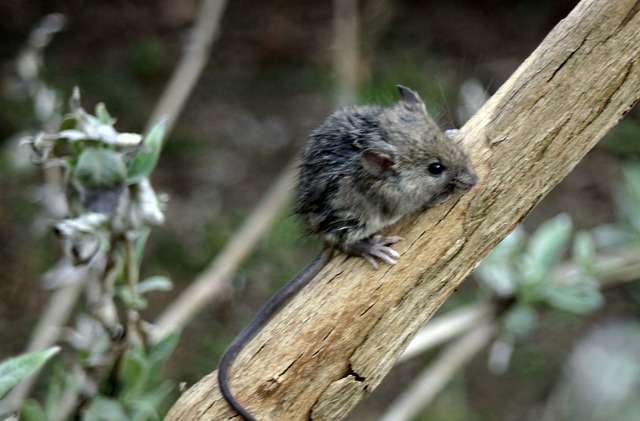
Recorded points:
(611, 267)
(375, 18)
(433, 379)
(214, 279)
(193, 61)
(446, 327)
(346, 50)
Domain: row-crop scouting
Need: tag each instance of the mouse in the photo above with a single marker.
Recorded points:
(362, 170)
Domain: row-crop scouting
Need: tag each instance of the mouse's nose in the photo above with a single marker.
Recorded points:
(466, 180)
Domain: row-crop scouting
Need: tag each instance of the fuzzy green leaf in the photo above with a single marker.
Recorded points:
(58, 379)
(630, 202)
(103, 115)
(99, 167)
(578, 299)
(31, 410)
(68, 123)
(149, 405)
(584, 251)
(155, 283)
(545, 249)
(13, 370)
(501, 278)
(72, 134)
(520, 321)
(105, 409)
(135, 375)
(160, 352)
(131, 301)
(146, 159)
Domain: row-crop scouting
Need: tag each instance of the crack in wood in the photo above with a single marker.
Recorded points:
(367, 309)
(566, 60)
(287, 368)
(357, 377)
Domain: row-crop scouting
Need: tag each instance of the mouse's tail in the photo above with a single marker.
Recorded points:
(260, 320)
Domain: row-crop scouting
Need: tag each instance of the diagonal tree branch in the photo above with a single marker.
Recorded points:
(338, 338)
(215, 278)
(193, 61)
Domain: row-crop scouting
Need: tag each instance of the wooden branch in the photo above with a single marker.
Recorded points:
(339, 337)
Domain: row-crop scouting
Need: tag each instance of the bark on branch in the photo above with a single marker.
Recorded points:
(339, 337)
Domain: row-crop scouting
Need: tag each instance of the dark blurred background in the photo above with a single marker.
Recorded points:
(269, 81)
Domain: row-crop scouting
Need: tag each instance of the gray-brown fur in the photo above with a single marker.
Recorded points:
(362, 170)
(366, 167)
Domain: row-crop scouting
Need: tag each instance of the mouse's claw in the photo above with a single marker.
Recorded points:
(369, 258)
(379, 248)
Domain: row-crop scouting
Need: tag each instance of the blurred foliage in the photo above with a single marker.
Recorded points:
(136, 395)
(629, 202)
(116, 87)
(14, 370)
(522, 269)
(521, 275)
(623, 139)
(601, 380)
(111, 209)
(146, 57)
(439, 94)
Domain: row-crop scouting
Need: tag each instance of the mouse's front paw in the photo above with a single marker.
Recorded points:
(379, 248)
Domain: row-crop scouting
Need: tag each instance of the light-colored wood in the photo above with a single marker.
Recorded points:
(340, 336)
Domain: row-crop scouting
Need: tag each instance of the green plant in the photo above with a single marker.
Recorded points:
(13, 370)
(521, 273)
(111, 371)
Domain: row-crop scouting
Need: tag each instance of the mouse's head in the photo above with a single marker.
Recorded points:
(422, 166)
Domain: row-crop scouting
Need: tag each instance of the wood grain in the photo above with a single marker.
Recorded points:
(340, 336)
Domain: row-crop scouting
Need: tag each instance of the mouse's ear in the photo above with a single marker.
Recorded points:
(378, 162)
(410, 99)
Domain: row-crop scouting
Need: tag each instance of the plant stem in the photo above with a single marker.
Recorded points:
(134, 332)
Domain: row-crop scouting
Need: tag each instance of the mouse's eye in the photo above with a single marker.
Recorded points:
(436, 168)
